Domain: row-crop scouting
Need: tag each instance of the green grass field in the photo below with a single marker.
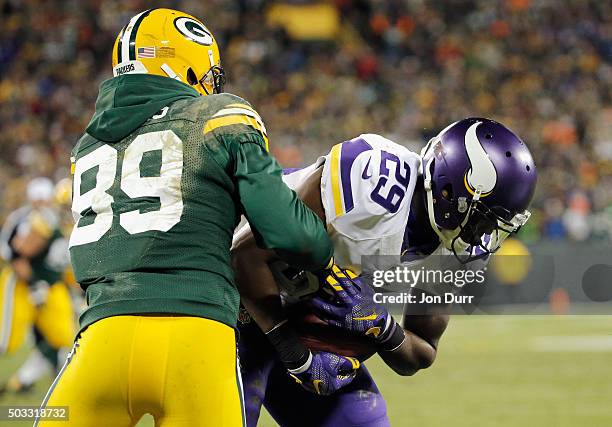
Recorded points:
(491, 371)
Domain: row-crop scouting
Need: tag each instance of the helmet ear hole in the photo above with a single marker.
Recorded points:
(191, 77)
(447, 192)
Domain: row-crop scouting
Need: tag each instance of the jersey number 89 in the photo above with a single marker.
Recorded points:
(97, 202)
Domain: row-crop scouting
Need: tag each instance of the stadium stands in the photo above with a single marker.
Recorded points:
(402, 68)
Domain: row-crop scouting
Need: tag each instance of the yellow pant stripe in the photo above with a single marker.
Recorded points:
(7, 283)
(55, 381)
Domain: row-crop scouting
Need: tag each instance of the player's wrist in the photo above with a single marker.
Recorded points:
(303, 368)
(291, 351)
(392, 338)
(323, 272)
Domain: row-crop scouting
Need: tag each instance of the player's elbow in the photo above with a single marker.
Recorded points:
(407, 370)
(426, 357)
(421, 356)
(247, 258)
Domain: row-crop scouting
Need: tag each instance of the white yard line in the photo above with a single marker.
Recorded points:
(568, 343)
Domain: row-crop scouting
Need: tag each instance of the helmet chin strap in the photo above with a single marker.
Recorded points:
(447, 237)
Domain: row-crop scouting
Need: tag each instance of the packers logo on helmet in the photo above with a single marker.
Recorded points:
(172, 44)
(193, 30)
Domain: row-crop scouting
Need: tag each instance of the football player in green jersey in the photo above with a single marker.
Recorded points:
(161, 178)
(33, 295)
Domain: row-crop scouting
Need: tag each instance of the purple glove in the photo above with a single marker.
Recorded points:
(351, 306)
(324, 373)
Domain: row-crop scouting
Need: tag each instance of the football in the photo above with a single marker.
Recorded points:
(317, 335)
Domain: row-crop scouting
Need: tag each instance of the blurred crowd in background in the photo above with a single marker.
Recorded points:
(323, 72)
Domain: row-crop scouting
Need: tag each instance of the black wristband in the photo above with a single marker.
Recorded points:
(394, 339)
(291, 351)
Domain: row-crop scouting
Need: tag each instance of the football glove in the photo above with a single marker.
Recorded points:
(320, 372)
(346, 302)
(324, 373)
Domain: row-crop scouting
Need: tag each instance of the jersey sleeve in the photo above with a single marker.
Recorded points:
(278, 219)
(366, 189)
(8, 231)
(237, 118)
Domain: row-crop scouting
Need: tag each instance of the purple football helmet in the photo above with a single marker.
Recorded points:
(479, 179)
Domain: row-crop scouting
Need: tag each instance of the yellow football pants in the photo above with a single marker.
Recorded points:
(54, 319)
(181, 370)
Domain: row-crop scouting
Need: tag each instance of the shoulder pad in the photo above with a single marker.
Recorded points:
(231, 113)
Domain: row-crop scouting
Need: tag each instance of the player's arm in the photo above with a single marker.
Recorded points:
(321, 373)
(405, 349)
(258, 289)
(31, 238)
(30, 241)
(278, 219)
(22, 268)
(422, 333)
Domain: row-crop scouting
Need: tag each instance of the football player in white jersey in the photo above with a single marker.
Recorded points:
(463, 195)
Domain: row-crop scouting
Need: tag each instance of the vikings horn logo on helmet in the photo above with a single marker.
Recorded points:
(481, 175)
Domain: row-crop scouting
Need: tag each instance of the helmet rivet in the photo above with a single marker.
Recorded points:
(447, 215)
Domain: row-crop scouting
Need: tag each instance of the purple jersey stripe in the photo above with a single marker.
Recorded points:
(289, 171)
(350, 150)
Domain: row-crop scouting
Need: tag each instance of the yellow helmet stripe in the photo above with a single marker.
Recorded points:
(235, 119)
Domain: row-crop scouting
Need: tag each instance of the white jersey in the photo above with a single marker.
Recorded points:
(366, 189)
(367, 185)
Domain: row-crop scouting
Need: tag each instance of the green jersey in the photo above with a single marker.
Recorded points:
(49, 263)
(160, 180)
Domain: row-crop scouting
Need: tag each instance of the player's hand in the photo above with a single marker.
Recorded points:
(346, 302)
(325, 373)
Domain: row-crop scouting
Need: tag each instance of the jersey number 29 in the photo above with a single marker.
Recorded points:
(395, 192)
(97, 202)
